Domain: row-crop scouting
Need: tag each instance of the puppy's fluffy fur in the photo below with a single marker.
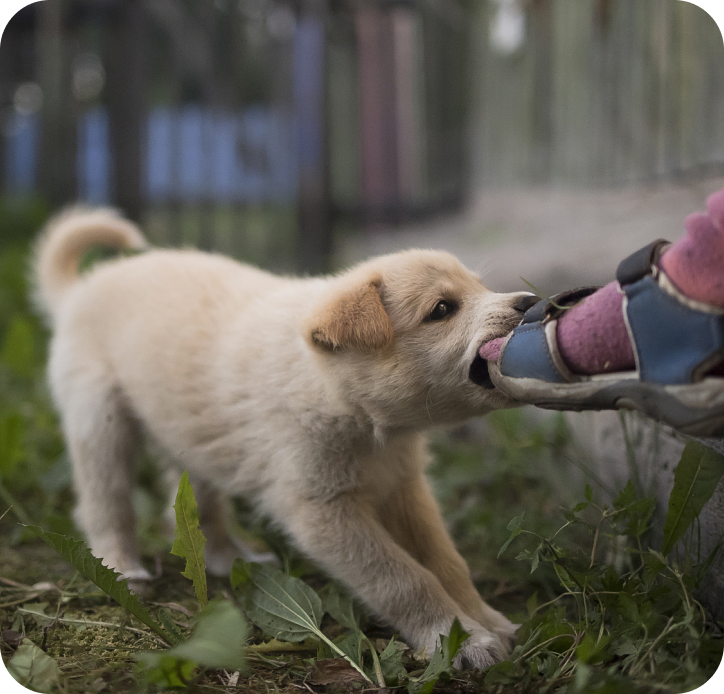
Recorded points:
(307, 396)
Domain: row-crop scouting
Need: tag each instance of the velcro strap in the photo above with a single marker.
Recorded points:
(550, 308)
(639, 264)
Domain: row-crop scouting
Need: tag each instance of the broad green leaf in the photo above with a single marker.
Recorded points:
(654, 563)
(190, 541)
(165, 670)
(536, 559)
(441, 661)
(588, 493)
(592, 650)
(217, 642)
(628, 608)
(506, 672)
(352, 644)
(515, 530)
(340, 607)
(282, 606)
(695, 480)
(626, 496)
(18, 349)
(33, 668)
(109, 581)
(391, 662)
(218, 639)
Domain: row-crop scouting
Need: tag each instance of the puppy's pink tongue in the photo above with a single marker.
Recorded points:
(491, 350)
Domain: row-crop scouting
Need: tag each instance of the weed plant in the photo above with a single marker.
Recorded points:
(604, 605)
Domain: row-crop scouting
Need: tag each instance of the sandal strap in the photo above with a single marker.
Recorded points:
(531, 351)
(555, 305)
(673, 343)
(640, 263)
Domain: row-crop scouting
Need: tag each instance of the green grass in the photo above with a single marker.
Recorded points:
(600, 611)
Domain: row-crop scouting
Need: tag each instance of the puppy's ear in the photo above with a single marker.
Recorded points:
(354, 318)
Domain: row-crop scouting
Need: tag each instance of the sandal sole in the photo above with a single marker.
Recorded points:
(696, 409)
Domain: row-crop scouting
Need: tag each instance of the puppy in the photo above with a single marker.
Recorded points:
(308, 396)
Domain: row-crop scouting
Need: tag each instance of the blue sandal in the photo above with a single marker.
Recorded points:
(677, 342)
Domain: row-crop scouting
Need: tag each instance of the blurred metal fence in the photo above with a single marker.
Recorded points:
(262, 127)
(250, 126)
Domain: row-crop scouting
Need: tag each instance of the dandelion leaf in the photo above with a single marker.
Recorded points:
(109, 581)
(190, 541)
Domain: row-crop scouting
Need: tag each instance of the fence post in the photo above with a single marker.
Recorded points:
(541, 30)
(314, 227)
(126, 100)
(57, 164)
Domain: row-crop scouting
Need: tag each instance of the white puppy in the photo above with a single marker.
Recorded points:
(307, 396)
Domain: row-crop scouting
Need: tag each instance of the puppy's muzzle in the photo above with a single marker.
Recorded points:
(479, 374)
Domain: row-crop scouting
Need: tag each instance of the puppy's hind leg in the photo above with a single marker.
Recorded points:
(103, 439)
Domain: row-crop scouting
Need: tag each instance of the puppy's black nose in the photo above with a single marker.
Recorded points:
(523, 303)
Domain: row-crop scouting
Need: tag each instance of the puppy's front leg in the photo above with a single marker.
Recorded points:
(412, 516)
(345, 537)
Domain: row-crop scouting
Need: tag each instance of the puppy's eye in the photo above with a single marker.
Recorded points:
(442, 309)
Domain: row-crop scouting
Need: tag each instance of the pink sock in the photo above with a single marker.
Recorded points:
(592, 336)
(695, 263)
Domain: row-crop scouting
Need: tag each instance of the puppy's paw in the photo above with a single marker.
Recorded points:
(220, 557)
(506, 634)
(505, 630)
(500, 625)
(481, 650)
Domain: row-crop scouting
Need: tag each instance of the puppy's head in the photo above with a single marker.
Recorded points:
(401, 334)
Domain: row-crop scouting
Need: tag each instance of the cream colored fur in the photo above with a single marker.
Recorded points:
(307, 396)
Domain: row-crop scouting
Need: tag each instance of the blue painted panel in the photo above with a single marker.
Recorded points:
(191, 154)
(93, 157)
(21, 150)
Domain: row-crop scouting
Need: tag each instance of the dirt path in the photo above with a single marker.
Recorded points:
(554, 238)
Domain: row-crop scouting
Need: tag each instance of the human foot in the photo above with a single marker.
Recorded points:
(665, 314)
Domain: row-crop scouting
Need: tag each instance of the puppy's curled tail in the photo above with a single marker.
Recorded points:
(65, 239)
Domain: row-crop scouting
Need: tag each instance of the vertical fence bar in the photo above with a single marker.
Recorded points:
(313, 211)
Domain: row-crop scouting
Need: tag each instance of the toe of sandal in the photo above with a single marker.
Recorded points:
(677, 344)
